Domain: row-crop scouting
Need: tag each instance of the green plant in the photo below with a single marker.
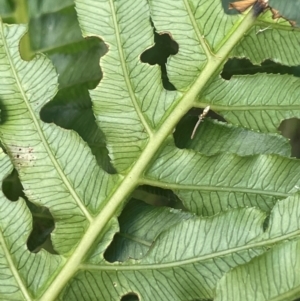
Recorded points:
(237, 238)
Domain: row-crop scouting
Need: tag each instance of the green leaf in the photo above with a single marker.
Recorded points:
(6, 9)
(185, 252)
(184, 256)
(210, 184)
(269, 40)
(262, 278)
(252, 105)
(214, 137)
(37, 7)
(54, 29)
(289, 10)
(69, 30)
(188, 258)
(140, 224)
(41, 147)
(133, 108)
(17, 263)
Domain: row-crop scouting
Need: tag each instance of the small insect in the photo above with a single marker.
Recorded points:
(200, 118)
(263, 29)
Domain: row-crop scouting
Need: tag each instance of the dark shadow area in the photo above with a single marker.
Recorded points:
(156, 196)
(42, 220)
(52, 29)
(12, 187)
(120, 249)
(3, 113)
(76, 60)
(78, 64)
(290, 128)
(145, 201)
(244, 67)
(257, 7)
(130, 297)
(225, 5)
(266, 223)
(71, 108)
(289, 10)
(185, 127)
(7, 10)
(42, 226)
(158, 54)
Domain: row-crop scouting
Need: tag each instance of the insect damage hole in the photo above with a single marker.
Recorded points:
(42, 219)
(236, 66)
(130, 297)
(143, 200)
(164, 46)
(194, 124)
(290, 128)
(42, 227)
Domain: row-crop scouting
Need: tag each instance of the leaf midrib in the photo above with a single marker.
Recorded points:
(133, 177)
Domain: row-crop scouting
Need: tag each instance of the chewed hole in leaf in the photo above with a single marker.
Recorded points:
(130, 297)
(290, 128)
(132, 242)
(72, 109)
(186, 126)
(227, 10)
(83, 58)
(266, 222)
(3, 113)
(42, 220)
(156, 196)
(43, 225)
(79, 70)
(120, 248)
(158, 54)
(244, 67)
(12, 187)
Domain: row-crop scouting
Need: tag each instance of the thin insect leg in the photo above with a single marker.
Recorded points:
(263, 29)
(196, 126)
(201, 117)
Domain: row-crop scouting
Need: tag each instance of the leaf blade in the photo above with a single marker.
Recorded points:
(249, 284)
(37, 148)
(19, 267)
(251, 105)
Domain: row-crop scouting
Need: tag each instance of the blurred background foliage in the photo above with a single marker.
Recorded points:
(53, 29)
